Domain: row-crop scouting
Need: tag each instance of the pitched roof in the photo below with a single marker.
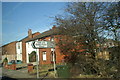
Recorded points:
(46, 33)
(9, 43)
(27, 36)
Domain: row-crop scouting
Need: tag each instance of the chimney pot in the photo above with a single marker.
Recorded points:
(54, 26)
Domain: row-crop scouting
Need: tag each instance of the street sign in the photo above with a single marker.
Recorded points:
(43, 44)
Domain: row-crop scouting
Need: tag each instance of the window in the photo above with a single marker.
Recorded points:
(111, 44)
(44, 40)
(44, 55)
(49, 39)
(28, 44)
(52, 39)
(18, 45)
(52, 59)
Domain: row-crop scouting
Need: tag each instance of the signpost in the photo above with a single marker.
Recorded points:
(53, 49)
(44, 44)
(37, 64)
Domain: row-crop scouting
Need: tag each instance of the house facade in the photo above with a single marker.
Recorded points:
(9, 51)
(46, 54)
(21, 45)
(29, 50)
(103, 49)
(19, 50)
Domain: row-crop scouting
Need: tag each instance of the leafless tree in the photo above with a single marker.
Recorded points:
(82, 27)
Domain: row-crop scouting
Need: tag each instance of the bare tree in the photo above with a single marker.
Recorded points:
(83, 27)
(82, 24)
(112, 20)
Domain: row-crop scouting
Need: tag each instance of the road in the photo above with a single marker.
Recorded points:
(6, 77)
(22, 73)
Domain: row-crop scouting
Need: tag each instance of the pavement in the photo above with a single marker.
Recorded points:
(21, 73)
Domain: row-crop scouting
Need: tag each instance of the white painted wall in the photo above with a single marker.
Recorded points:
(19, 50)
(29, 49)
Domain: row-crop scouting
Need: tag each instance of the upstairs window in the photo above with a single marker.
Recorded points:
(44, 40)
(52, 39)
(28, 45)
(18, 45)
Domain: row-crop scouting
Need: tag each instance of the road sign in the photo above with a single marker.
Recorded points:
(43, 44)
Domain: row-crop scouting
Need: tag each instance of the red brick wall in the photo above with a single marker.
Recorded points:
(48, 58)
(24, 51)
(9, 49)
(59, 56)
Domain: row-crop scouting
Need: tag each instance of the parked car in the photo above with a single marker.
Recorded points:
(15, 62)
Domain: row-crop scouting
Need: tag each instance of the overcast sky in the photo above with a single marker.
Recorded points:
(18, 17)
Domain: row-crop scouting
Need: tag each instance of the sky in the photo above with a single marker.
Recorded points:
(18, 17)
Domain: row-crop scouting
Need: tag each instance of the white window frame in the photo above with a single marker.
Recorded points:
(18, 45)
(44, 55)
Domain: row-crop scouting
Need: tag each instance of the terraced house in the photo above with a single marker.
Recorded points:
(21, 46)
(46, 54)
(104, 49)
(9, 51)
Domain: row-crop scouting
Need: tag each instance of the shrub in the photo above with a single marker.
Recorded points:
(5, 60)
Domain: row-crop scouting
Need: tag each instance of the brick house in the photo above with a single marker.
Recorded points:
(46, 54)
(9, 51)
(103, 51)
(22, 42)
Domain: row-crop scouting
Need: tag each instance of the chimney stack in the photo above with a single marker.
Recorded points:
(30, 33)
(54, 26)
